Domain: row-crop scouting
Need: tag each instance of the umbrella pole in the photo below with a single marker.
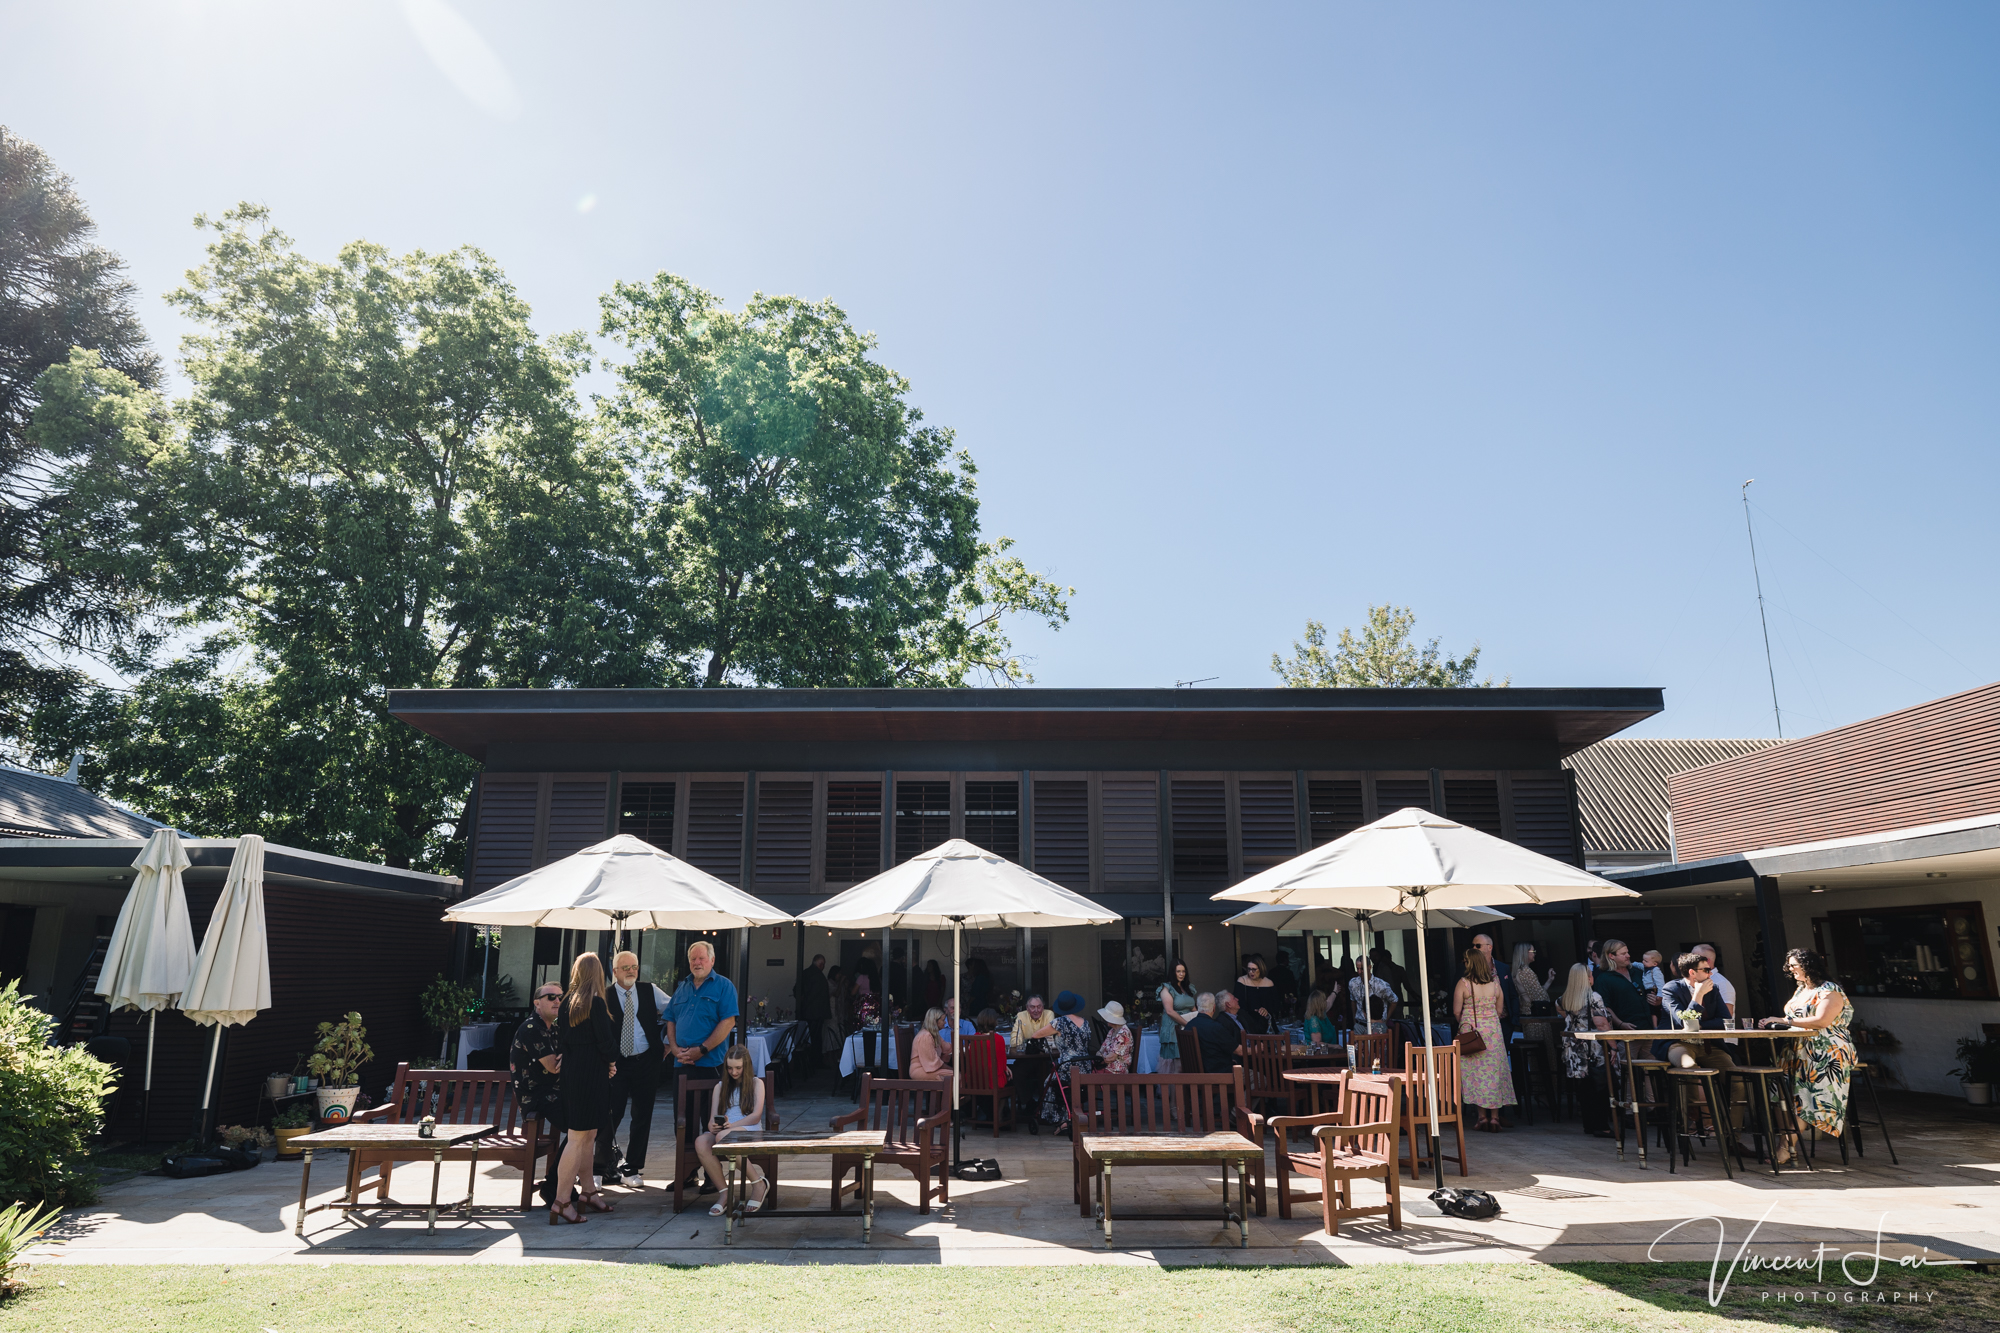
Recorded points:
(1367, 980)
(146, 1102)
(957, 1130)
(208, 1086)
(1430, 1051)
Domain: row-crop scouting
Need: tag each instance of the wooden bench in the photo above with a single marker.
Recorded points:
(694, 1091)
(917, 1117)
(1159, 1104)
(453, 1097)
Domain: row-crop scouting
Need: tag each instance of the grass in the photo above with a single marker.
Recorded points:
(1385, 1298)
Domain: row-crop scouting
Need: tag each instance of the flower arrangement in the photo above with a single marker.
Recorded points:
(1690, 1019)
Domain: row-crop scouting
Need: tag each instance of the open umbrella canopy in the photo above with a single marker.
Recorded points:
(1286, 916)
(622, 883)
(957, 883)
(231, 979)
(151, 953)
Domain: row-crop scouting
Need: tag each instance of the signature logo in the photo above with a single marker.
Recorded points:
(1814, 1261)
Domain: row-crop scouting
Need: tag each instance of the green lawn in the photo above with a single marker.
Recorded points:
(1392, 1298)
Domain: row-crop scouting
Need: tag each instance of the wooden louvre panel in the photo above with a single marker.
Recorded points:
(853, 831)
(923, 817)
(1201, 832)
(1269, 815)
(576, 817)
(646, 811)
(784, 832)
(1062, 831)
(1335, 805)
(993, 817)
(506, 830)
(715, 829)
(1131, 832)
(1541, 815)
(1474, 802)
(1393, 794)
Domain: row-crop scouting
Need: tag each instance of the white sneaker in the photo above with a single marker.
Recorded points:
(635, 1180)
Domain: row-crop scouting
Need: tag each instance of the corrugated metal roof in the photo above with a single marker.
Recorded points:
(1621, 786)
(35, 805)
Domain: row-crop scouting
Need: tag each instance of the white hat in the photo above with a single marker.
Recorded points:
(1113, 1013)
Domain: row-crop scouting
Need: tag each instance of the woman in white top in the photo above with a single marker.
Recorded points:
(736, 1113)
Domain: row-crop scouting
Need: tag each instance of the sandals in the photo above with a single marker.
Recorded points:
(754, 1204)
(594, 1200)
(564, 1214)
(720, 1207)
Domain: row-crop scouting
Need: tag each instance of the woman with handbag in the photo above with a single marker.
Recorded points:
(1485, 1079)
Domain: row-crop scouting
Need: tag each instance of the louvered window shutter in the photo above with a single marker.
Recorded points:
(1269, 812)
(506, 831)
(784, 832)
(1541, 816)
(1393, 794)
(1062, 832)
(1201, 832)
(646, 811)
(576, 818)
(853, 831)
(1474, 802)
(1336, 808)
(993, 817)
(923, 817)
(715, 829)
(1131, 833)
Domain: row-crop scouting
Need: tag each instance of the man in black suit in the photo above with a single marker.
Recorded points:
(636, 1008)
(815, 1005)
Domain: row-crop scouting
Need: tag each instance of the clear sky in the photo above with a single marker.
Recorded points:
(1247, 313)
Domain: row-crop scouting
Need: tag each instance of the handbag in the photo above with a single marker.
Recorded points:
(1469, 1040)
(1472, 1205)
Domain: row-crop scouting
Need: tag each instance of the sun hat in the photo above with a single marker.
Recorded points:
(1113, 1013)
(1069, 1002)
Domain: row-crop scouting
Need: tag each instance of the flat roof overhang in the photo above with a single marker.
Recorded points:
(102, 860)
(1955, 849)
(1560, 721)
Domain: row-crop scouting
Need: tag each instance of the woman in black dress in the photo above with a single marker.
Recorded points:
(589, 1052)
(1256, 997)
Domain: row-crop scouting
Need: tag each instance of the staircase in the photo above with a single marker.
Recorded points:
(87, 1014)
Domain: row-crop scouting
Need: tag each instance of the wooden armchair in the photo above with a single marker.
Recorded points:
(1417, 1108)
(1361, 1147)
(693, 1092)
(1267, 1057)
(917, 1115)
(1372, 1046)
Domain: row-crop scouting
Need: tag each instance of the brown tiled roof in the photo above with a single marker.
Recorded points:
(1621, 786)
(34, 805)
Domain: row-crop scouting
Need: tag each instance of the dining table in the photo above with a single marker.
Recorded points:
(1631, 1103)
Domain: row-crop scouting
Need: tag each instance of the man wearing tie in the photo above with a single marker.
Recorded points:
(636, 1010)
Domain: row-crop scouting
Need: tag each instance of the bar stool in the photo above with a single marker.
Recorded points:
(1641, 1070)
(1767, 1086)
(1858, 1079)
(1680, 1082)
(1529, 1061)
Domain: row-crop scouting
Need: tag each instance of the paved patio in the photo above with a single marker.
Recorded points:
(1565, 1197)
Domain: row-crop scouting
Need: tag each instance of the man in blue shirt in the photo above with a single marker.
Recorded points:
(699, 1021)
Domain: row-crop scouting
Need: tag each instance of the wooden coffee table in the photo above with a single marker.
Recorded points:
(862, 1143)
(400, 1136)
(1178, 1149)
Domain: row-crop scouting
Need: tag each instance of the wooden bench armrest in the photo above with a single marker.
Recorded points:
(1282, 1123)
(372, 1113)
(1250, 1123)
(854, 1117)
(931, 1122)
(1356, 1131)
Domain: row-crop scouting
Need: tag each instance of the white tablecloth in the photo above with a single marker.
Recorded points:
(760, 1040)
(475, 1037)
(850, 1054)
(1149, 1050)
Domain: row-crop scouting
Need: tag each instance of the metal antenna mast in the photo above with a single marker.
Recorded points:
(1769, 670)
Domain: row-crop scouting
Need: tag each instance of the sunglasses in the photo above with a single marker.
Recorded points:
(550, 995)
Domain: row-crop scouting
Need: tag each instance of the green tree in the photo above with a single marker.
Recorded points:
(1385, 654)
(381, 479)
(810, 529)
(59, 291)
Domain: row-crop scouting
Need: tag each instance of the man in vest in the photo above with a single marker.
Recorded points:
(635, 1013)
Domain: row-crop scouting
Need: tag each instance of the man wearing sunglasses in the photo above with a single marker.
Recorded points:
(537, 1063)
(1694, 988)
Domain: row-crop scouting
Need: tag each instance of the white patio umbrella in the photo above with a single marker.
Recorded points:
(1286, 916)
(957, 885)
(151, 953)
(231, 978)
(1416, 861)
(622, 883)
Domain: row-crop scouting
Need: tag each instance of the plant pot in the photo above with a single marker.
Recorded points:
(285, 1137)
(336, 1104)
(278, 1085)
(1978, 1094)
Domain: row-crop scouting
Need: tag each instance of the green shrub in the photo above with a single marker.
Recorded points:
(51, 1106)
(19, 1228)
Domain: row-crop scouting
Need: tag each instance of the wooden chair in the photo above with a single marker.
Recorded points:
(1417, 1109)
(1306, 1163)
(1372, 1046)
(1267, 1057)
(917, 1115)
(1362, 1147)
(1190, 1052)
(985, 1075)
(693, 1094)
(1159, 1104)
(906, 1040)
(453, 1097)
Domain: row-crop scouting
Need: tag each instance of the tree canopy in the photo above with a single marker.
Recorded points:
(1384, 654)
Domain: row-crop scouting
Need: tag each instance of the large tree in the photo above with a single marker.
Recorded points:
(1385, 653)
(59, 290)
(809, 528)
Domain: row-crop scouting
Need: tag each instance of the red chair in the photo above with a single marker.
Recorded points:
(985, 1074)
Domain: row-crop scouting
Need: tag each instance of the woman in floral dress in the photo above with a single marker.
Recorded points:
(1820, 1064)
(1485, 1080)
(1070, 1052)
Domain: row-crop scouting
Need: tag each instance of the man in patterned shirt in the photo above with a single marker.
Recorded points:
(537, 1063)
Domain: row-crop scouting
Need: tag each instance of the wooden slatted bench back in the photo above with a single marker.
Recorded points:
(1158, 1103)
(455, 1097)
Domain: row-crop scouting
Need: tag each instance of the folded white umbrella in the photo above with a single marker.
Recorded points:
(231, 981)
(957, 885)
(151, 953)
(622, 883)
(1416, 861)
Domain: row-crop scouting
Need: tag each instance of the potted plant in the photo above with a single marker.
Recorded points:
(336, 1061)
(277, 1085)
(289, 1124)
(1690, 1019)
(1978, 1068)
(446, 1005)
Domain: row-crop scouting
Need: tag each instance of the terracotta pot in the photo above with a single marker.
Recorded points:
(336, 1104)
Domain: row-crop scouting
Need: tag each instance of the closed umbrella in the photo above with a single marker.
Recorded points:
(231, 980)
(957, 885)
(1416, 861)
(151, 953)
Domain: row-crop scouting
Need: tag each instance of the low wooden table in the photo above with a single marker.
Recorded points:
(401, 1136)
(864, 1143)
(1179, 1149)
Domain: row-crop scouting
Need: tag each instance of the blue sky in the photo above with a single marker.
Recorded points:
(1248, 314)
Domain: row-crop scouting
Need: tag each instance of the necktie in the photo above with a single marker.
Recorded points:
(631, 1021)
